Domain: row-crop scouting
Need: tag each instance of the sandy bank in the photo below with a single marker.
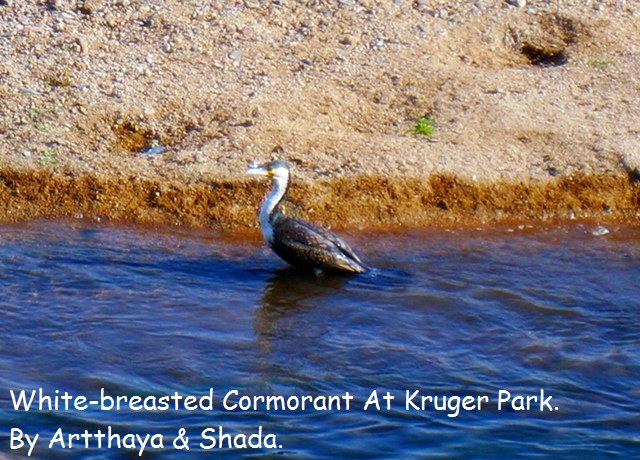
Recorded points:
(534, 108)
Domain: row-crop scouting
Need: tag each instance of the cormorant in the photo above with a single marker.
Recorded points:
(300, 243)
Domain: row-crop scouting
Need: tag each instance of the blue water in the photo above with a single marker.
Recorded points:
(129, 311)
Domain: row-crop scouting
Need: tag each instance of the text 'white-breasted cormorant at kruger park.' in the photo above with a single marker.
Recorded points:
(302, 244)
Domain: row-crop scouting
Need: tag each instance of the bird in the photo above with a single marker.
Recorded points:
(302, 244)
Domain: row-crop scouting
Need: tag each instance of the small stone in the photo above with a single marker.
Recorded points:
(377, 43)
(153, 150)
(27, 153)
(85, 7)
(59, 26)
(84, 46)
(518, 3)
(600, 231)
(149, 21)
(346, 41)
(235, 54)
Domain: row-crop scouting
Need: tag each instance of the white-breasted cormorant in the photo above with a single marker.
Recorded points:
(302, 244)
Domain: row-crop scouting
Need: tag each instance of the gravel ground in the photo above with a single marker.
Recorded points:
(151, 110)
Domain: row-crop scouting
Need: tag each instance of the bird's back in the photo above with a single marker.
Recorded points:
(312, 247)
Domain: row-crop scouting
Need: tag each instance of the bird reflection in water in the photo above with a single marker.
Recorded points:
(289, 292)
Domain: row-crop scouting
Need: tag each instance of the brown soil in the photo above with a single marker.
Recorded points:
(535, 108)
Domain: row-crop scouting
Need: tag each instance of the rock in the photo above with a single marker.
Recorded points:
(85, 7)
(600, 231)
(235, 54)
(84, 46)
(59, 26)
(346, 41)
(629, 156)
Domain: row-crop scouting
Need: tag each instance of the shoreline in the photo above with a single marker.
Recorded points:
(356, 202)
(152, 111)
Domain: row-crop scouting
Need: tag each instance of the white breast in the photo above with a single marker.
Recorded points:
(267, 228)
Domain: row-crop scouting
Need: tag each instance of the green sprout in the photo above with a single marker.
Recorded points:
(600, 63)
(37, 116)
(33, 112)
(424, 126)
(48, 157)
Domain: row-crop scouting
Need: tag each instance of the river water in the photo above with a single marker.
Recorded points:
(494, 314)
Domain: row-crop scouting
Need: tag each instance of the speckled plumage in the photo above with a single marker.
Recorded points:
(302, 244)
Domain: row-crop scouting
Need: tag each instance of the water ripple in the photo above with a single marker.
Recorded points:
(446, 312)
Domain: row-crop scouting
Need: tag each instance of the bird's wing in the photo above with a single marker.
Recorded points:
(297, 239)
(332, 237)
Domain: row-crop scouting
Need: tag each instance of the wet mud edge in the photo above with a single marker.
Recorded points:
(341, 202)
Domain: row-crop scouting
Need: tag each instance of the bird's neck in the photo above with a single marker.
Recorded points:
(269, 211)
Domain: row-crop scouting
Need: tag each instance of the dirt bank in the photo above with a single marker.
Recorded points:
(356, 201)
(151, 111)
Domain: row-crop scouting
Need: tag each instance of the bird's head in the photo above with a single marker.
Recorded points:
(276, 169)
